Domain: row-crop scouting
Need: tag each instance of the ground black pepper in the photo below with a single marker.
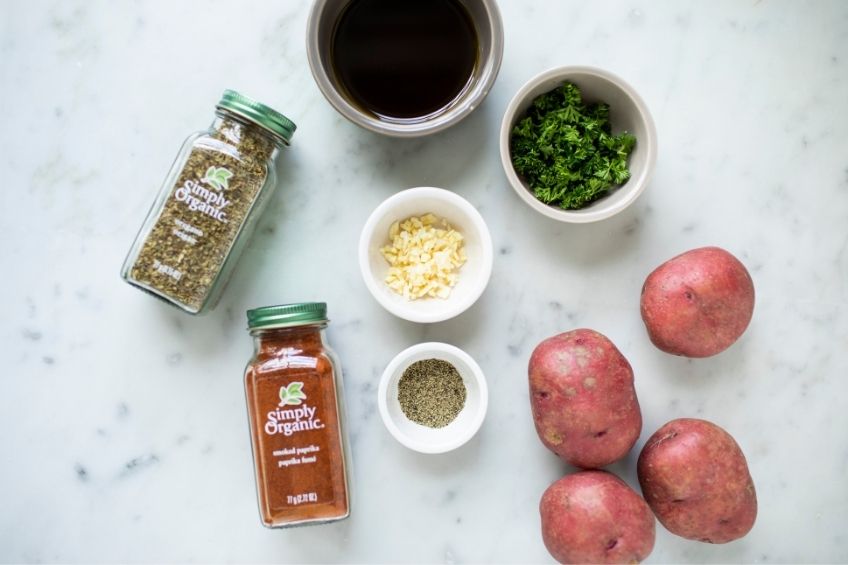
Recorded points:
(431, 393)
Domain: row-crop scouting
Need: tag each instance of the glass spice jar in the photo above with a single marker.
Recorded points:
(208, 205)
(293, 386)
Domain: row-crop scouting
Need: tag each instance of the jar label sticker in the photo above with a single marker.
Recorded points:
(189, 242)
(288, 421)
(294, 445)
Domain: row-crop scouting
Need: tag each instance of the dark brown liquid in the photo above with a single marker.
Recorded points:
(404, 59)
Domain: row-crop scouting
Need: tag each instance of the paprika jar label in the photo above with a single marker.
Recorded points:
(293, 390)
(295, 443)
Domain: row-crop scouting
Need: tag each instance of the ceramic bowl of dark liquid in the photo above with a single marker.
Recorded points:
(404, 68)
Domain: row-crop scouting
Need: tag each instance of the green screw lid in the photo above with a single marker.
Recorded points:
(296, 314)
(260, 114)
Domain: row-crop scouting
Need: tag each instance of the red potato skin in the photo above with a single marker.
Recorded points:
(582, 397)
(698, 303)
(695, 478)
(594, 517)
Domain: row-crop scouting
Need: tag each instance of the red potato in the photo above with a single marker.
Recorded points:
(695, 478)
(698, 303)
(582, 397)
(594, 517)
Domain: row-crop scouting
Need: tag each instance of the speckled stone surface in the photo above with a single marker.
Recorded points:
(122, 421)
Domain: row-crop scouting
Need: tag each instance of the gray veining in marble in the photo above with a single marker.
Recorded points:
(122, 421)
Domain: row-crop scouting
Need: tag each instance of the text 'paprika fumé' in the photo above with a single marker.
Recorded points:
(293, 386)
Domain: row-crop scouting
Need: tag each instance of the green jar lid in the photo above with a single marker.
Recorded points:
(296, 314)
(260, 114)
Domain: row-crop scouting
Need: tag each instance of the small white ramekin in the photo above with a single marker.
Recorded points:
(421, 438)
(463, 217)
(628, 112)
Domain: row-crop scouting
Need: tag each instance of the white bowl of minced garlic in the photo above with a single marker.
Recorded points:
(425, 254)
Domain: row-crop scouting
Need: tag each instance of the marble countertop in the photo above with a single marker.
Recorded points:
(123, 420)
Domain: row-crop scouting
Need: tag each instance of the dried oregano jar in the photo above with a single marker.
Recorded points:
(208, 205)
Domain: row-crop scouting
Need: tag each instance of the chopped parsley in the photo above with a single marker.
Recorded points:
(565, 149)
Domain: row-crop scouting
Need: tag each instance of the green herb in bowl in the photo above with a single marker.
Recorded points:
(565, 149)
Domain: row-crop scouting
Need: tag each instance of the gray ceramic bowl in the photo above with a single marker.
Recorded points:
(487, 22)
(627, 113)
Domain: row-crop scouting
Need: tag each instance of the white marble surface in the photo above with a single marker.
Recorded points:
(122, 421)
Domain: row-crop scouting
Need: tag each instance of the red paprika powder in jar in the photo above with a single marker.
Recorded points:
(293, 386)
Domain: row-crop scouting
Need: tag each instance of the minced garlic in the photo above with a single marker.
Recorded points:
(424, 255)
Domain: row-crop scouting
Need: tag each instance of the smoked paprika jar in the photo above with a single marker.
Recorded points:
(293, 386)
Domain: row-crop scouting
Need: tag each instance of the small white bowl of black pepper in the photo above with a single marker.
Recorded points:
(433, 397)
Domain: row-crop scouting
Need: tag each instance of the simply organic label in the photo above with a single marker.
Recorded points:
(288, 421)
(294, 434)
(210, 201)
